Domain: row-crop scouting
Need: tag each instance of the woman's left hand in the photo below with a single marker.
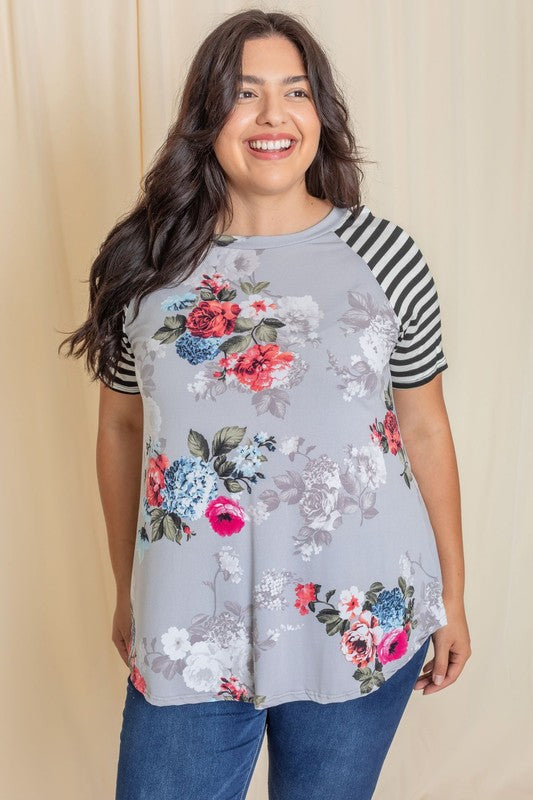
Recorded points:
(452, 650)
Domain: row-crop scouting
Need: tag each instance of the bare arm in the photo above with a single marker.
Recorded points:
(426, 434)
(118, 464)
(119, 448)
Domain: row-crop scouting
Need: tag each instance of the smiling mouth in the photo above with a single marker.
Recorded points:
(268, 149)
(271, 153)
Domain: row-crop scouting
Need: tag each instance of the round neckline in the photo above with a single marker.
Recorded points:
(331, 220)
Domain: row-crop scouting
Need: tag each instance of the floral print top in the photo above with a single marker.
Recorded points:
(284, 550)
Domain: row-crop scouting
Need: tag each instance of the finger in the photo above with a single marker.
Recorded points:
(428, 667)
(441, 662)
(421, 684)
(123, 652)
(454, 670)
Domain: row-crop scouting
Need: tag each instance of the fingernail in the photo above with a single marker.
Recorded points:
(438, 679)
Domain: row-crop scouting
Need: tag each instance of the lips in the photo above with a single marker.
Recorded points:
(271, 155)
(270, 137)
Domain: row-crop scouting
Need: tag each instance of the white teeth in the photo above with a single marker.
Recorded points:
(263, 144)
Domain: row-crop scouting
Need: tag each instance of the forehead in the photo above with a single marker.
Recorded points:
(271, 59)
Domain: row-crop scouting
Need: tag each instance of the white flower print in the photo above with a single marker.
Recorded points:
(256, 307)
(228, 561)
(269, 592)
(322, 471)
(290, 445)
(259, 513)
(376, 341)
(235, 265)
(367, 464)
(301, 316)
(176, 643)
(240, 653)
(406, 568)
(152, 417)
(377, 328)
(206, 662)
(200, 385)
(350, 603)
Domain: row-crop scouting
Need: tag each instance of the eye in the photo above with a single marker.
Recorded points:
(249, 91)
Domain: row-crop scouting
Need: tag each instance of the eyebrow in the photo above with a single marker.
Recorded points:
(284, 81)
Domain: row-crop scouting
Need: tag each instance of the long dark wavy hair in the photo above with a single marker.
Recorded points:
(184, 193)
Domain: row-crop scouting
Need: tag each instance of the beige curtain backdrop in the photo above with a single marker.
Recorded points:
(440, 95)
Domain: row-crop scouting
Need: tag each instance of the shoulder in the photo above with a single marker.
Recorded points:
(394, 257)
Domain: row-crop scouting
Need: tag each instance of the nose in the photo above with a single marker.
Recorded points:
(272, 110)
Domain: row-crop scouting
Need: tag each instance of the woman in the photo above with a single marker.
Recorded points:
(272, 438)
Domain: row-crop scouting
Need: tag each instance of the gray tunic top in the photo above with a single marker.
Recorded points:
(284, 550)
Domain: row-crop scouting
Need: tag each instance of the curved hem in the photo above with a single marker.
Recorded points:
(304, 694)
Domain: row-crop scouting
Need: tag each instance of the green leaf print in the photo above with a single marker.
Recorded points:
(172, 329)
(223, 467)
(243, 324)
(226, 439)
(225, 295)
(253, 288)
(233, 486)
(172, 528)
(356, 631)
(265, 333)
(236, 344)
(198, 445)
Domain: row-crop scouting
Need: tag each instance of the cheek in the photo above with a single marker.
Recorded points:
(309, 124)
(225, 147)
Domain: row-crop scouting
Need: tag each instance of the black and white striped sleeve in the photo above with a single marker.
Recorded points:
(418, 355)
(124, 378)
(398, 265)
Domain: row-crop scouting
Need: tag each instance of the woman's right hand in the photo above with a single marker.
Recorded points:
(121, 632)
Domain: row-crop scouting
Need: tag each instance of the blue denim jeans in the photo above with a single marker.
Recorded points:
(208, 751)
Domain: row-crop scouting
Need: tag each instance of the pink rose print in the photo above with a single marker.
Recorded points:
(374, 625)
(225, 516)
(359, 643)
(393, 645)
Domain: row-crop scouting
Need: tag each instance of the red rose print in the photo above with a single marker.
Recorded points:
(138, 680)
(259, 366)
(212, 318)
(213, 284)
(305, 593)
(234, 687)
(392, 432)
(155, 479)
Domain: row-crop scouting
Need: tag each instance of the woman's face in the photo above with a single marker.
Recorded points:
(266, 107)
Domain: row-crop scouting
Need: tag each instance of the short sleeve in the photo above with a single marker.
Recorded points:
(124, 378)
(418, 355)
